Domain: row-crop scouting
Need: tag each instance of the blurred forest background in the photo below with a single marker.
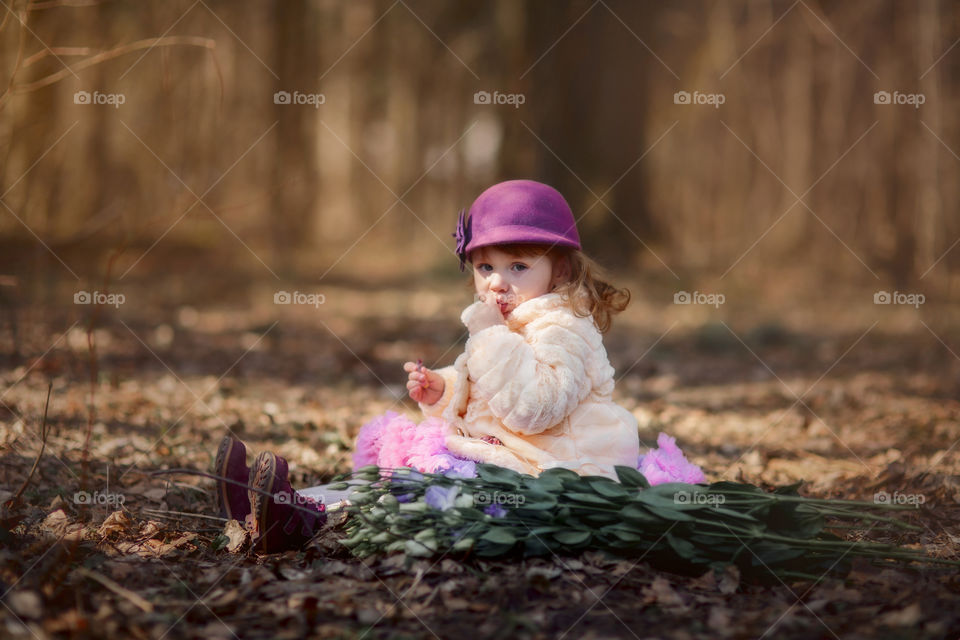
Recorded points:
(195, 159)
(798, 171)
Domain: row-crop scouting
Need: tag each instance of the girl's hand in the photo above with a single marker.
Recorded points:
(423, 385)
(487, 315)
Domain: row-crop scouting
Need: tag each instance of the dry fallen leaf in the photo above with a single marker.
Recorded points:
(26, 604)
(662, 592)
(149, 529)
(60, 524)
(906, 617)
(236, 535)
(154, 548)
(719, 620)
(116, 522)
(730, 579)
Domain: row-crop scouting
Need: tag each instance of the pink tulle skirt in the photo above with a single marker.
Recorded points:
(393, 440)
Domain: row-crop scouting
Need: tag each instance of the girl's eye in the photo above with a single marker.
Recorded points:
(484, 267)
(519, 266)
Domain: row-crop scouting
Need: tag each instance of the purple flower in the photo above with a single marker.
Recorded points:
(461, 469)
(667, 463)
(441, 498)
(462, 235)
(495, 510)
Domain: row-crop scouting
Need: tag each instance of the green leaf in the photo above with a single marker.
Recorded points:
(588, 498)
(790, 489)
(488, 549)
(726, 485)
(539, 531)
(219, 542)
(610, 489)
(637, 513)
(668, 513)
(558, 474)
(535, 547)
(572, 537)
(771, 553)
(630, 477)
(684, 549)
(538, 500)
(623, 533)
(730, 513)
(499, 535)
(552, 483)
(499, 475)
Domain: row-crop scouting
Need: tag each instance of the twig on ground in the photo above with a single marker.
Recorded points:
(44, 432)
(137, 600)
(164, 513)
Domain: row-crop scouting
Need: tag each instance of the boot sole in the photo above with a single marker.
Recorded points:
(223, 459)
(262, 474)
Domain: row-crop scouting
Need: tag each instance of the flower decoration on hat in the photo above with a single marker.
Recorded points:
(462, 235)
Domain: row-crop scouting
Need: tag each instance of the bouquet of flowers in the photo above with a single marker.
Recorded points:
(685, 527)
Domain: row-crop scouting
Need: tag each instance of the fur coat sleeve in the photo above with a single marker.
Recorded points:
(532, 380)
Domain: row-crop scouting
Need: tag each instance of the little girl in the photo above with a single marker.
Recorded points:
(531, 391)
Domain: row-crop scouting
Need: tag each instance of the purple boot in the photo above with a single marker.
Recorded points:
(232, 499)
(279, 518)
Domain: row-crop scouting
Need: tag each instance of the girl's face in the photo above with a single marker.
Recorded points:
(513, 279)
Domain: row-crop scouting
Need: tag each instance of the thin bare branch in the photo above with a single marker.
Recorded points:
(53, 4)
(136, 599)
(44, 432)
(20, 44)
(58, 51)
(169, 41)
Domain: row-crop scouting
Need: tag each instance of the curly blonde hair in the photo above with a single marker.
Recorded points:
(587, 290)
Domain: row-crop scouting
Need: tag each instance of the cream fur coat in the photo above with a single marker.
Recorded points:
(542, 385)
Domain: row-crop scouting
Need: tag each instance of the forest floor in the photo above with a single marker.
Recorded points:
(854, 399)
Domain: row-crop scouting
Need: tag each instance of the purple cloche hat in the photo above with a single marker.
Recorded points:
(516, 212)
